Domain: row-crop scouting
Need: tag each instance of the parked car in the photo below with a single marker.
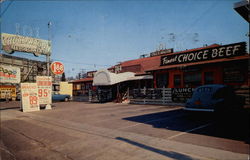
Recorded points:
(215, 97)
(60, 97)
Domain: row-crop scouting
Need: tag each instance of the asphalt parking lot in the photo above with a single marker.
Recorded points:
(109, 131)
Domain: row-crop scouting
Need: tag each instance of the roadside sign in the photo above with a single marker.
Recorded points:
(44, 84)
(9, 74)
(30, 99)
(57, 68)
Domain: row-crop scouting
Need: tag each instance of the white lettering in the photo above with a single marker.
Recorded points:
(185, 57)
(221, 50)
(179, 58)
(191, 57)
(204, 56)
(229, 51)
(214, 53)
(198, 55)
(236, 48)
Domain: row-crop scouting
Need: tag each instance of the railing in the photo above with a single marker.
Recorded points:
(103, 95)
(163, 96)
(152, 96)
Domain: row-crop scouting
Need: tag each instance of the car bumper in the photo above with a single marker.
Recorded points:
(199, 109)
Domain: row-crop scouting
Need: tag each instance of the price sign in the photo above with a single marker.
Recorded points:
(44, 84)
(57, 68)
(30, 99)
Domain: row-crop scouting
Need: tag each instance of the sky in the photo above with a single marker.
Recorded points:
(94, 34)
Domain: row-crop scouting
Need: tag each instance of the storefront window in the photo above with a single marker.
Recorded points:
(162, 80)
(209, 77)
(233, 74)
(177, 80)
(78, 87)
(82, 87)
(192, 79)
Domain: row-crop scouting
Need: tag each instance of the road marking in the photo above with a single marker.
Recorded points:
(187, 131)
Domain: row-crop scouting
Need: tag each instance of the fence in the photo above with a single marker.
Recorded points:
(163, 96)
(99, 95)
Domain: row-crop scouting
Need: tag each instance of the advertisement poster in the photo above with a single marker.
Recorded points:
(44, 84)
(9, 74)
(30, 99)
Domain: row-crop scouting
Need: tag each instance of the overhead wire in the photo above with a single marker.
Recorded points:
(11, 1)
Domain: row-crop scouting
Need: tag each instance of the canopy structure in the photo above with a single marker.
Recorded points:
(106, 78)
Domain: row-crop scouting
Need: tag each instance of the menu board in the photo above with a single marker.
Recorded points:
(30, 99)
(44, 84)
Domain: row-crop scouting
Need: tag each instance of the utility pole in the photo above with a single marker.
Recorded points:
(48, 55)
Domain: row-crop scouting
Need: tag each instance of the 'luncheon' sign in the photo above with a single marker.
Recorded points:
(225, 51)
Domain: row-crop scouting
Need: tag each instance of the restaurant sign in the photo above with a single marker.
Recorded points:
(12, 43)
(161, 52)
(181, 95)
(224, 51)
(9, 74)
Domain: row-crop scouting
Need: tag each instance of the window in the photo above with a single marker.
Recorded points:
(208, 77)
(78, 87)
(192, 79)
(82, 86)
(162, 80)
(177, 80)
(233, 74)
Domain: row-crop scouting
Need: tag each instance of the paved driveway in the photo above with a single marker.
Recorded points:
(79, 130)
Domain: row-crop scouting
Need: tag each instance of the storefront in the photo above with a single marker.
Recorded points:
(82, 86)
(115, 86)
(227, 64)
(215, 64)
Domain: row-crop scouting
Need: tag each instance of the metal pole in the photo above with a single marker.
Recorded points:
(48, 55)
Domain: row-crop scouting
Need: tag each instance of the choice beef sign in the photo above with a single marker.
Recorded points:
(224, 51)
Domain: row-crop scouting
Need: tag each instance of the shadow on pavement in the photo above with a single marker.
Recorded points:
(170, 154)
(8, 108)
(233, 126)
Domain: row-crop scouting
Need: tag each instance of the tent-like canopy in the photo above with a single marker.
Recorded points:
(106, 78)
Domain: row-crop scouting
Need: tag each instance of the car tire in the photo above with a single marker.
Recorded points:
(66, 99)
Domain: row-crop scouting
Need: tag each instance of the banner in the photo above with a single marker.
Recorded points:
(30, 99)
(44, 84)
(12, 42)
(9, 74)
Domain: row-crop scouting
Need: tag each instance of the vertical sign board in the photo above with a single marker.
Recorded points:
(44, 84)
(30, 99)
